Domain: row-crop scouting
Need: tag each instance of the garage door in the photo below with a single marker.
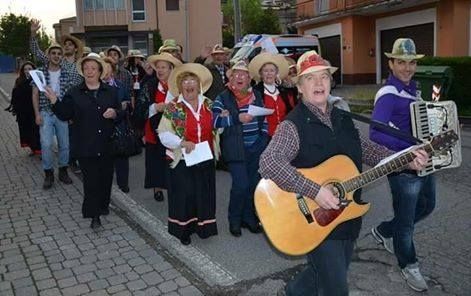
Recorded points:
(330, 47)
(421, 34)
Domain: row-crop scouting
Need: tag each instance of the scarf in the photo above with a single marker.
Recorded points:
(243, 97)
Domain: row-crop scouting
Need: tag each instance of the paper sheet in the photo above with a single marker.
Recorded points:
(39, 79)
(202, 152)
(269, 46)
(259, 111)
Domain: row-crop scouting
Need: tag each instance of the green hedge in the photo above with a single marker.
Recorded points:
(460, 90)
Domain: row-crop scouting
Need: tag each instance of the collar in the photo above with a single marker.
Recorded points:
(400, 86)
(200, 103)
(102, 86)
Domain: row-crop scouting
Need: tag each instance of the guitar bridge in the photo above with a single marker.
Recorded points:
(304, 208)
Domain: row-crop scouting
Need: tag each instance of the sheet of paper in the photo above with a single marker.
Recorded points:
(202, 152)
(39, 79)
(397, 154)
(259, 111)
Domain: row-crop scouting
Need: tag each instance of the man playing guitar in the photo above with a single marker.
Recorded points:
(313, 132)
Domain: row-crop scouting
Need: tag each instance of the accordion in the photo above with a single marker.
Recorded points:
(429, 119)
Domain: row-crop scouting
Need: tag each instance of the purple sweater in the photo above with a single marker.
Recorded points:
(394, 111)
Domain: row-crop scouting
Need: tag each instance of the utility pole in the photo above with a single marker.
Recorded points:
(237, 31)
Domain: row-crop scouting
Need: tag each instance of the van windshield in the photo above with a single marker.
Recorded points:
(242, 53)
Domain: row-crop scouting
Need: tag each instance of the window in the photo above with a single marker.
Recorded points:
(140, 42)
(138, 11)
(99, 4)
(103, 4)
(172, 4)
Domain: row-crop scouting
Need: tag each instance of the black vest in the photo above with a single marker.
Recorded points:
(318, 142)
(232, 139)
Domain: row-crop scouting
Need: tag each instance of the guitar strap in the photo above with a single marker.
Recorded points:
(384, 127)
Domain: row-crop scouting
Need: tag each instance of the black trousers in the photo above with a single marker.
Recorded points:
(97, 180)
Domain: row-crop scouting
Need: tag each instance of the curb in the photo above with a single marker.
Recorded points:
(199, 262)
(5, 94)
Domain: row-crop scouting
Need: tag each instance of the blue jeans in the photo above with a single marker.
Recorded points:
(326, 271)
(54, 126)
(245, 178)
(413, 200)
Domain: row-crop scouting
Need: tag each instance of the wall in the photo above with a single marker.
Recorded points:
(452, 33)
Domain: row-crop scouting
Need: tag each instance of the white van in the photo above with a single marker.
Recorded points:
(290, 45)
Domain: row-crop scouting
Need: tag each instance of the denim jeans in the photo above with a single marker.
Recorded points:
(413, 200)
(326, 271)
(245, 178)
(54, 126)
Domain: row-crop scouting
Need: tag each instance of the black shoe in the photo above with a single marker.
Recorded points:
(185, 241)
(235, 230)
(124, 189)
(48, 179)
(74, 166)
(105, 212)
(64, 176)
(159, 195)
(254, 228)
(95, 222)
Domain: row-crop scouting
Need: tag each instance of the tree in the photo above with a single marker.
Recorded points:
(157, 40)
(255, 19)
(15, 34)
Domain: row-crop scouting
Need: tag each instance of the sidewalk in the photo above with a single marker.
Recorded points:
(46, 248)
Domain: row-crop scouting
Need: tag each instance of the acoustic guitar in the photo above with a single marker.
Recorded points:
(296, 225)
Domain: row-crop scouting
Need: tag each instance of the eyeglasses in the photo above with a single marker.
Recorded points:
(189, 82)
(241, 75)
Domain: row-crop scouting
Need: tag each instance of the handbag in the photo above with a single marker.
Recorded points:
(124, 141)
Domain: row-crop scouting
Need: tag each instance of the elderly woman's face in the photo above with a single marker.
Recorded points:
(240, 79)
(91, 71)
(315, 87)
(190, 87)
(163, 70)
(269, 73)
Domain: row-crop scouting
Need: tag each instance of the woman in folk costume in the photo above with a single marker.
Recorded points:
(156, 95)
(269, 70)
(187, 121)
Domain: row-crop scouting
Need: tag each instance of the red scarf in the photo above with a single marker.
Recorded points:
(243, 97)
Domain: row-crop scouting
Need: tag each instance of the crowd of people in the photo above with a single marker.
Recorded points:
(175, 106)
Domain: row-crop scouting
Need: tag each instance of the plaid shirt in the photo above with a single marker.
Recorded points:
(125, 77)
(42, 57)
(275, 161)
(67, 79)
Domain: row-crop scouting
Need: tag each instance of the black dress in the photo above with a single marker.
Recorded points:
(22, 103)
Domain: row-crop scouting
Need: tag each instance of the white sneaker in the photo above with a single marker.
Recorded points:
(414, 278)
(385, 241)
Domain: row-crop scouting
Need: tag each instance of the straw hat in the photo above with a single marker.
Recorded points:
(291, 62)
(169, 44)
(91, 57)
(264, 58)
(115, 48)
(52, 46)
(75, 41)
(311, 62)
(165, 56)
(218, 48)
(135, 53)
(86, 50)
(404, 49)
(205, 77)
(239, 65)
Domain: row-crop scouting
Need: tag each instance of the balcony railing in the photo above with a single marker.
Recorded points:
(329, 6)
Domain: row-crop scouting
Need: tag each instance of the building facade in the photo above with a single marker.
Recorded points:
(354, 34)
(130, 24)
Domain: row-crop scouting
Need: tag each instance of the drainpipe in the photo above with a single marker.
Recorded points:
(187, 32)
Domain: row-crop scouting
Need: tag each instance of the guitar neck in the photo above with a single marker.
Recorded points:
(373, 174)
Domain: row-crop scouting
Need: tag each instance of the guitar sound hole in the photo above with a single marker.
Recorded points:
(325, 217)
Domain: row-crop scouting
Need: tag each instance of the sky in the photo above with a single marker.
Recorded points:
(48, 11)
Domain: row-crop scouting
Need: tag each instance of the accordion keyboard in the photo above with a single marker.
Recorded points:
(429, 119)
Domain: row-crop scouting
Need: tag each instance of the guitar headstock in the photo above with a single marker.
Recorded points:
(444, 140)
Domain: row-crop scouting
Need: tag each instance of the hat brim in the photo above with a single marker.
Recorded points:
(315, 69)
(203, 74)
(268, 58)
(172, 48)
(91, 58)
(218, 51)
(153, 59)
(136, 56)
(406, 57)
(78, 43)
